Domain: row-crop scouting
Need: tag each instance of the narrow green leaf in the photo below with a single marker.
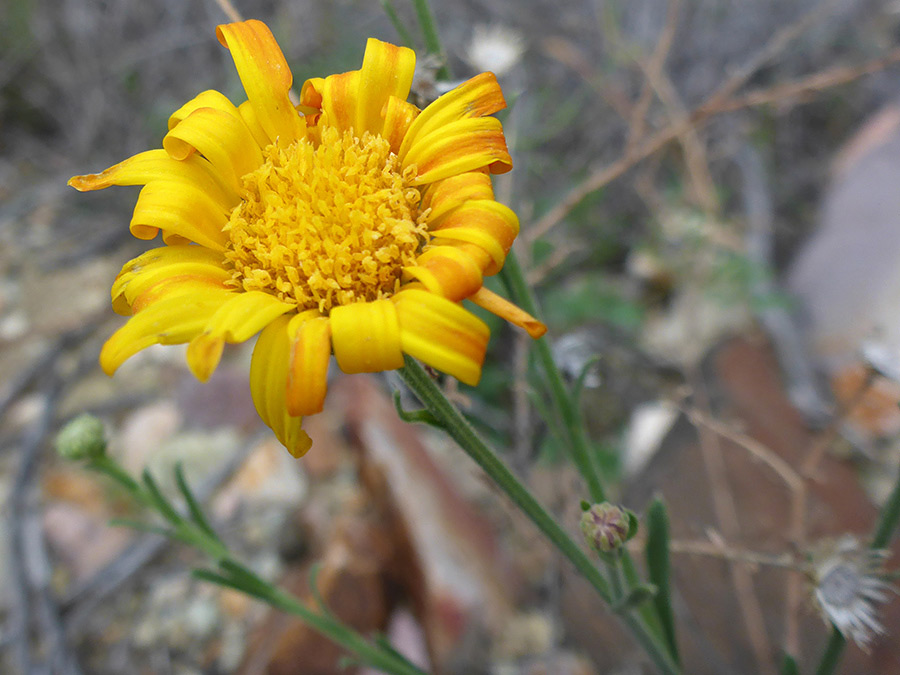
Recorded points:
(158, 499)
(430, 34)
(197, 514)
(658, 568)
(888, 518)
(636, 597)
(246, 578)
(141, 526)
(415, 416)
(399, 26)
(789, 666)
(578, 386)
(314, 589)
(647, 611)
(633, 524)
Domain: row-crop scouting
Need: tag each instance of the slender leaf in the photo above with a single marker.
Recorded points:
(245, 577)
(658, 568)
(141, 526)
(578, 386)
(196, 512)
(430, 34)
(647, 611)
(415, 416)
(159, 500)
(399, 26)
(636, 597)
(888, 519)
(789, 666)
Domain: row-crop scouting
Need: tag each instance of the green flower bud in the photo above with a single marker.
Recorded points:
(82, 438)
(606, 526)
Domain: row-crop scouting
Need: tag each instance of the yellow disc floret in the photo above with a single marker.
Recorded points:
(326, 224)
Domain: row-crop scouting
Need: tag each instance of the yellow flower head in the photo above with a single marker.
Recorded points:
(353, 223)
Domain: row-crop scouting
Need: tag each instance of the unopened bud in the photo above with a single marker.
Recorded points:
(82, 438)
(606, 526)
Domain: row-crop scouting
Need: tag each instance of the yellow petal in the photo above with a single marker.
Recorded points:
(245, 110)
(366, 337)
(307, 381)
(476, 97)
(206, 99)
(268, 385)
(398, 115)
(387, 70)
(152, 165)
(173, 263)
(447, 271)
(182, 211)
(442, 334)
(503, 308)
(311, 93)
(458, 147)
(340, 99)
(448, 194)
(176, 318)
(221, 137)
(266, 77)
(485, 223)
(238, 319)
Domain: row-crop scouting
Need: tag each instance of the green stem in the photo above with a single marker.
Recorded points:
(459, 428)
(579, 447)
(340, 633)
(888, 519)
(833, 652)
(432, 39)
(461, 431)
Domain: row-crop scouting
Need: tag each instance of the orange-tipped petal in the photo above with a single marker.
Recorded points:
(266, 77)
(152, 165)
(458, 147)
(170, 264)
(451, 193)
(476, 97)
(340, 99)
(398, 115)
(503, 308)
(307, 381)
(448, 271)
(442, 334)
(485, 223)
(387, 70)
(268, 385)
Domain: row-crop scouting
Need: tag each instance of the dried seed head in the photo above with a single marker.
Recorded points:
(849, 581)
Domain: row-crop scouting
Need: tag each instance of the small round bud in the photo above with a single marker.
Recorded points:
(605, 526)
(82, 438)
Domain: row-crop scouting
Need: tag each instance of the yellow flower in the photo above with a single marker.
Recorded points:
(352, 223)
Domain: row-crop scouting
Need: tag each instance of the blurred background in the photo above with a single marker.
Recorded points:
(709, 203)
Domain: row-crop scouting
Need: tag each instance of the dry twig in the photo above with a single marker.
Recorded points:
(713, 105)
